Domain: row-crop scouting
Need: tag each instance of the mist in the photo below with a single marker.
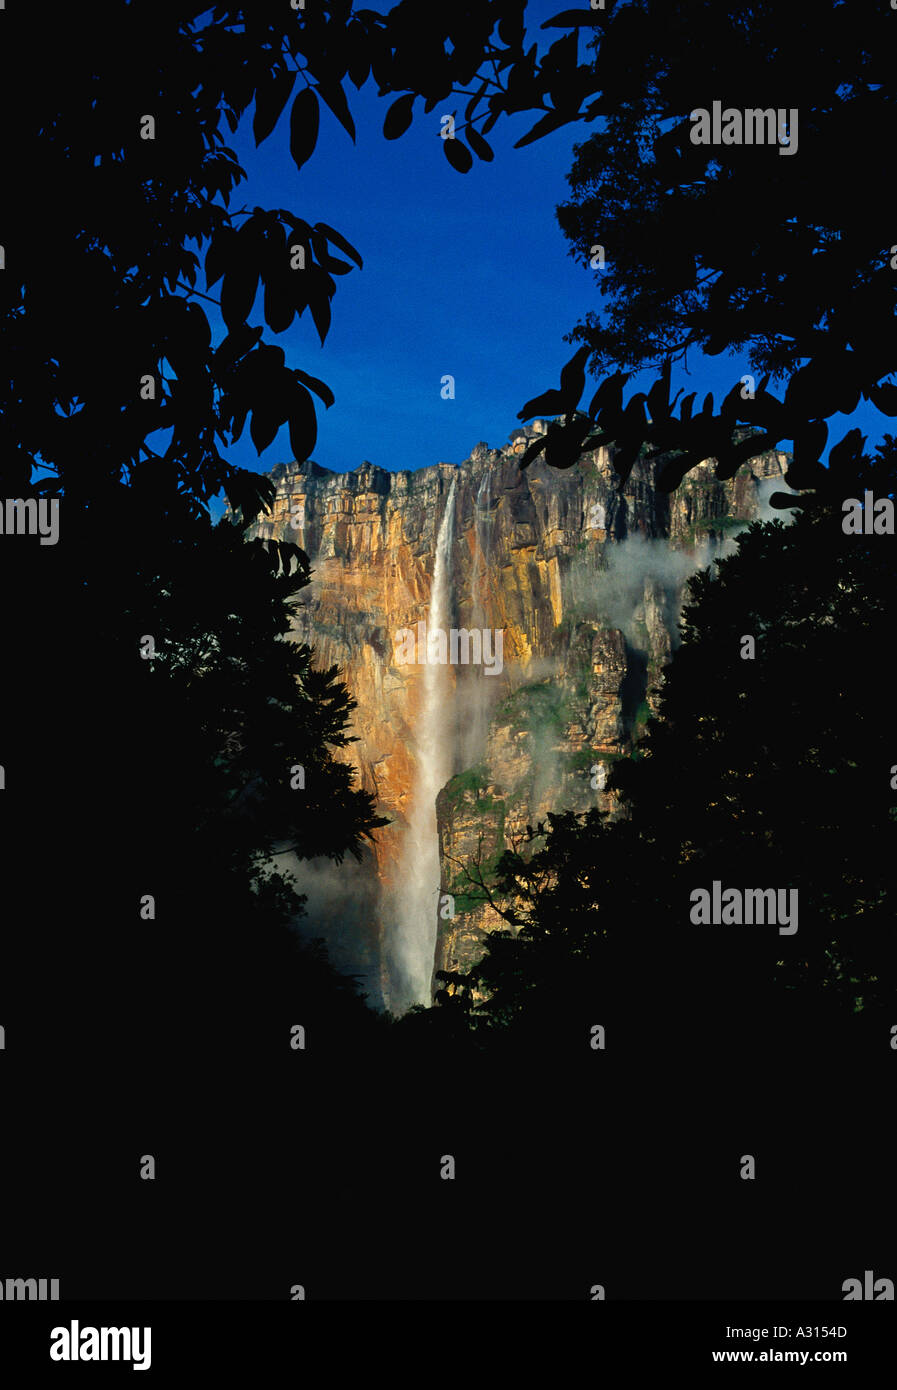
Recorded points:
(340, 907)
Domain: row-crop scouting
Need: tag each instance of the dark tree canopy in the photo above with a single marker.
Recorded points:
(126, 182)
(718, 247)
(788, 259)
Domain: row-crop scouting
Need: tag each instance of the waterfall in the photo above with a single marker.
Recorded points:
(415, 900)
(475, 724)
(481, 519)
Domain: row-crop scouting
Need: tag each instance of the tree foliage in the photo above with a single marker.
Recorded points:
(788, 261)
(103, 242)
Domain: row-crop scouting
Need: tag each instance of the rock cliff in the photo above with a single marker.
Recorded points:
(584, 584)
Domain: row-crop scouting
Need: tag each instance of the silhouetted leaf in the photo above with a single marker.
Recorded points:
(658, 399)
(624, 456)
(559, 67)
(809, 442)
(263, 364)
(671, 472)
(303, 425)
(549, 403)
(811, 388)
(634, 418)
(765, 409)
(491, 119)
(263, 426)
(730, 405)
(279, 307)
(731, 455)
(471, 105)
(325, 259)
(805, 473)
(532, 451)
(304, 121)
(335, 98)
(523, 90)
(511, 28)
(479, 146)
(780, 500)
(399, 117)
(563, 446)
(238, 342)
(843, 454)
(359, 57)
(218, 257)
(320, 388)
(320, 290)
(248, 493)
(686, 407)
(458, 155)
(299, 280)
(751, 448)
(238, 294)
(339, 241)
(270, 99)
(552, 121)
(573, 379)
(609, 395)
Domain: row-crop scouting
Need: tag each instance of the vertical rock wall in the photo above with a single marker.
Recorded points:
(585, 584)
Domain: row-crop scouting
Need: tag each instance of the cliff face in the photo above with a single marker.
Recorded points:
(584, 586)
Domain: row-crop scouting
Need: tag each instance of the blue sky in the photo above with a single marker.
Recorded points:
(467, 275)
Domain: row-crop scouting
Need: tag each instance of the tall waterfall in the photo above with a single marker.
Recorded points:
(482, 521)
(415, 901)
(475, 723)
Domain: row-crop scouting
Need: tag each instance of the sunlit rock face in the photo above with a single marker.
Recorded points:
(583, 582)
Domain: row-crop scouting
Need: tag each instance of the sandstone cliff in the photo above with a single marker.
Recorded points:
(584, 583)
